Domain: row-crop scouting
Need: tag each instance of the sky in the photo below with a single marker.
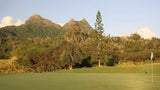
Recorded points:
(120, 17)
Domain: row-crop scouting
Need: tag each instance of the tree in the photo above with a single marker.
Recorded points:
(135, 36)
(99, 28)
(99, 24)
(72, 54)
(97, 47)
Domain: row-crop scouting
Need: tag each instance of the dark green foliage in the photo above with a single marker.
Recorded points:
(111, 62)
(135, 36)
(70, 56)
(86, 62)
(7, 44)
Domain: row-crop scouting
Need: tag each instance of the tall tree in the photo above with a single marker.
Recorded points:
(99, 24)
(99, 28)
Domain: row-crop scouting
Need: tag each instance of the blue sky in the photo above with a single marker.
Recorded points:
(118, 15)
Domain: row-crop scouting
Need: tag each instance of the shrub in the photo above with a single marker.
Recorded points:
(111, 62)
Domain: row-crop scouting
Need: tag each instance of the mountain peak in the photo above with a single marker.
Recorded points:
(69, 24)
(35, 17)
(71, 21)
(84, 25)
(42, 22)
(84, 20)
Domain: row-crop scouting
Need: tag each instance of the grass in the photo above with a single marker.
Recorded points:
(97, 78)
(143, 69)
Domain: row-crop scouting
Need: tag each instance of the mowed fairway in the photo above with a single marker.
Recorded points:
(71, 80)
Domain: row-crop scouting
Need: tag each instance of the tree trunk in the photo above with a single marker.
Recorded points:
(70, 67)
(99, 63)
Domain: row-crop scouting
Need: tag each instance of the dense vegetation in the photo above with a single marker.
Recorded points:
(43, 48)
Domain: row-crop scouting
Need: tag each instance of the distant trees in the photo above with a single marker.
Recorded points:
(135, 36)
(41, 55)
(7, 45)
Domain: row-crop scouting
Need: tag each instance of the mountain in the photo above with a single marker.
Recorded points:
(37, 26)
(68, 25)
(84, 25)
(42, 22)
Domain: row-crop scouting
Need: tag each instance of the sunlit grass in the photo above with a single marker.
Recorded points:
(144, 69)
(97, 78)
(78, 81)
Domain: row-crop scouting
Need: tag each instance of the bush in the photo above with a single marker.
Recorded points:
(111, 62)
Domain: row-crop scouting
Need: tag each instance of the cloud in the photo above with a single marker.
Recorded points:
(123, 33)
(61, 24)
(19, 22)
(146, 33)
(8, 20)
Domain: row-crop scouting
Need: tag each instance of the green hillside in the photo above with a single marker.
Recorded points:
(36, 26)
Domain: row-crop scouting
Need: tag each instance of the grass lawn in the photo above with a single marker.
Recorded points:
(143, 69)
(98, 78)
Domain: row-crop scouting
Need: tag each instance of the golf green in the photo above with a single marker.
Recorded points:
(98, 78)
(78, 81)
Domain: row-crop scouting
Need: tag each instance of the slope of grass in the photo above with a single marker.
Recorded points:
(78, 81)
(143, 69)
(123, 78)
